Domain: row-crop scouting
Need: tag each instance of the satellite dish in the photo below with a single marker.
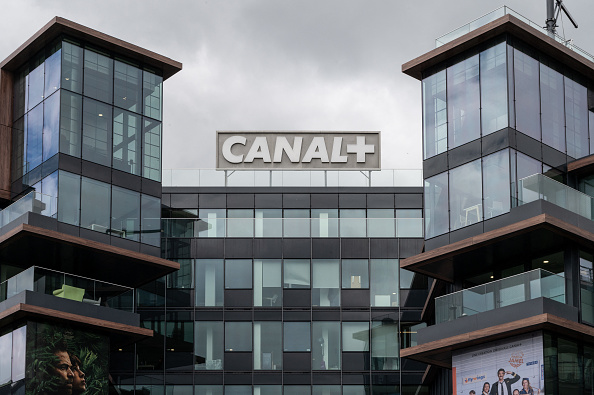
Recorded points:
(554, 7)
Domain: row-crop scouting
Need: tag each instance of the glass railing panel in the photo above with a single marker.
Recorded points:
(34, 202)
(240, 227)
(353, 227)
(409, 227)
(268, 227)
(324, 227)
(296, 227)
(381, 227)
(211, 178)
(243, 178)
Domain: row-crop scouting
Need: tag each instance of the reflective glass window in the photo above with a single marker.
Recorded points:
(409, 222)
(182, 278)
(72, 63)
(384, 345)
(496, 184)
(35, 89)
(125, 214)
(238, 336)
(576, 118)
(324, 223)
(325, 282)
(493, 72)
(268, 389)
(238, 273)
(34, 140)
(326, 390)
(355, 336)
(5, 363)
(353, 223)
(208, 345)
(52, 72)
(325, 353)
(463, 102)
(69, 198)
(525, 167)
(178, 389)
(380, 223)
(296, 273)
(150, 226)
(211, 223)
(179, 348)
(208, 390)
(465, 195)
(526, 91)
(296, 336)
(240, 223)
(268, 345)
(587, 287)
(435, 116)
(126, 141)
(51, 126)
(384, 282)
(97, 132)
(151, 150)
(296, 223)
(209, 282)
(552, 108)
(49, 189)
(70, 123)
(98, 77)
(152, 91)
(355, 390)
(297, 390)
(238, 390)
(268, 223)
(19, 349)
(18, 148)
(436, 205)
(95, 205)
(127, 87)
(355, 273)
(268, 287)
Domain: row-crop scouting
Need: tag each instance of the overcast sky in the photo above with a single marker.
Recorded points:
(284, 65)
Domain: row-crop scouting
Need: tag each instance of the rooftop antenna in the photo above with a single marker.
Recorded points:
(554, 7)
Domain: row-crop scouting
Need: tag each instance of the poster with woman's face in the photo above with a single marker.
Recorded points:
(65, 361)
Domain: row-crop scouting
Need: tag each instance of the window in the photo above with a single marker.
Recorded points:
(355, 273)
(296, 336)
(240, 223)
(576, 118)
(35, 88)
(5, 363)
(208, 390)
(70, 123)
(126, 141)
(95, 205)
(384, 282)
(435, 116)
(324, 223)
(238, 336)
(380, 223)
(211, 223)
(355, 336)
(150, 226)
(268, 345)
(326, 282)
(152, 93)
(526, 91)
(353, 223)
(209, 282)
(51, 126)
(325, 353)
(296, 273)
(465, 196)
(238, 273)
(98, 79)
(151, 150)
(208, 345)
(552, 108)
(69, 199)
(127, 86)
(496, 184)
(72, 67)
(125, 220)
(409, 222)
(296, 223)
(268, 282)
(384, 345)
(268, 223)
(34, 139)
(97, 132)
(436, 205)
(587, 287)
(52, 71)
(493, 71)
(463, 102)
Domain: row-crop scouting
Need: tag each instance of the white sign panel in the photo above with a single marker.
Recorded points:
(514, 366)
(298, 150)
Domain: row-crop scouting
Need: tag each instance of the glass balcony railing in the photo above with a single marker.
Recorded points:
(505, 292)
(68, 286)
(539, 186)
(498, 13)
(291, 178)
(34, 202)
(292, 227)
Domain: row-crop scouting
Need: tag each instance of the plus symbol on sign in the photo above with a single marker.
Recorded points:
(360, 149)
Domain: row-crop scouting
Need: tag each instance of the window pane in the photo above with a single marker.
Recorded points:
(435, 117)
(297, 390)
(409, 223)
(238, 390)
(208, 390)
(384, 282)
(125, 220)
(297, 336)
(127, 86)
(326, 390)
(296, 273)
(51, 126)
(526, 90)
(70, 123)
(208, 345)
(324, 223)
(49, 187)
(72, 67)
(493, 73)
(5, 363)
(151, 156)
(496, 184)
(465, 196)
(152, 93)
(95, 205)
(240, 223)
(326, 282)
(384, 345)
(69, 198)
(97, 132)
(209, 282)
(296, 223)
(238, 273)
(19, 348)
(463, 102)
(268, 289)
(268, 223)
(52, 72)
(268, 350)
(18, 148)
(238, 336)
(211, 224)
(268, 389)
(126, 141)
(380, 223)
(576, 118)
(325, 353)
(552, 108)
(436, 205)
(98, 76)
(35, 88)
(587, 287)
(34, 140)
(353, 223)
(355, 273)
(355, 336)
(354, 390)
(150, 226)
(526, 166)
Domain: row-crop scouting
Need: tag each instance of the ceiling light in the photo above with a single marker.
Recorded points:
(67, 79)
(545, 261)
(492, 277)
(100, 115)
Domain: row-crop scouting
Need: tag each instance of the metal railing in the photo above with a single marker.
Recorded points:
(505, 292)
(32, 202)
(69, 286)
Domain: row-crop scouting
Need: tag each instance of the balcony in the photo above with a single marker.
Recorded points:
(496, 294)
(292, 227)
(68, 286)
(541, 187)
(34, 202)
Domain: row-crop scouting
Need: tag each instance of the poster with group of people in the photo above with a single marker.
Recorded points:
(514, 366)
(65, 361)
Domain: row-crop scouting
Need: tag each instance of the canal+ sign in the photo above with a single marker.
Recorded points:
(298, 150)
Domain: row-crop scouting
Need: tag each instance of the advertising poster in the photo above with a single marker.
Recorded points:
(65, 361)
(514, 366)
